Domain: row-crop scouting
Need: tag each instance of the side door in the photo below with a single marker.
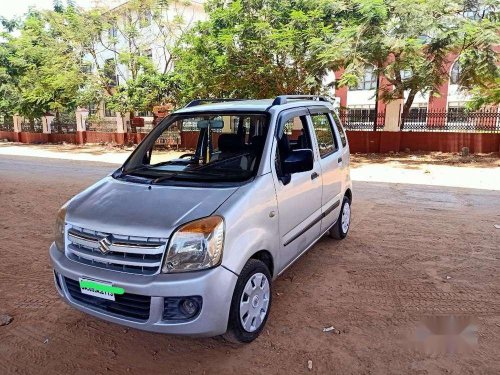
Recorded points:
(298, 194)
(330, 160)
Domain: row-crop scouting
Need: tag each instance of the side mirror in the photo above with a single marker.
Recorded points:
(298, 161)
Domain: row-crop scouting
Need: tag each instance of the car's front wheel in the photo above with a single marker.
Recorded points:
(341, 227)
(250, 304)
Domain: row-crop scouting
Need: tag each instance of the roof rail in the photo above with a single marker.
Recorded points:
(283, 99)
(205, 101)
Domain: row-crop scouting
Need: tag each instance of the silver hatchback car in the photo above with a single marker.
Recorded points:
(191, 245)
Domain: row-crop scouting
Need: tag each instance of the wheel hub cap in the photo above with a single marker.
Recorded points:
(254, 302)
(346, 217)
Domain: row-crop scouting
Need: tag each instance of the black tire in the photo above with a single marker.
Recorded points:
(337, 231)
(236, 333)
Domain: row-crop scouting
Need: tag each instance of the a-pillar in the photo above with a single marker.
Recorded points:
(81, 127)
(122, 125)
(17, 127)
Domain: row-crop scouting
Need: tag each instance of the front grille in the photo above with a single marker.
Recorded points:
(127, 305)
(139, 255)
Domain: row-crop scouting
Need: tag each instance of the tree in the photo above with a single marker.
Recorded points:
(254, 48)
(10, 72)
(411, 44)
(479, 54)
(485, 94)
(39, 72)
(118, 45)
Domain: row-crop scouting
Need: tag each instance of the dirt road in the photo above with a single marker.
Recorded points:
(413, 251)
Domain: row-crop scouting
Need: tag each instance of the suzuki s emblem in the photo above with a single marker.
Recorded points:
(105, 243)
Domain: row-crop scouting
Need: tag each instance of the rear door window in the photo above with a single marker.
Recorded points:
(327, 143)
(343, 137)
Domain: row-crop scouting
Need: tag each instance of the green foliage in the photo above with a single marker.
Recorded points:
(151, 88)
(484, 95)
(40, 72)
(479, 61)
(255, 49)
(56, 60)
(419, 38)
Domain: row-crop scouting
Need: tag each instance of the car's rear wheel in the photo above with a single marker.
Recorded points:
(250, 304)
(341, 227)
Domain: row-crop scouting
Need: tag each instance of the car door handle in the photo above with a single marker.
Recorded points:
(340, 160)
(314, 175)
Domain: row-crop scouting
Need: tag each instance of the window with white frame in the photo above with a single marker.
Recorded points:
(149, 53)
(406, 74)
(112, 32)
(145, 18)
(418, 112)
(368, 81)
(109, 71)
(456, 112)
(357, 114)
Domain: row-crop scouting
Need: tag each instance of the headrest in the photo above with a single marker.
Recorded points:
(258, 142)
(284, 146)
(230, 143)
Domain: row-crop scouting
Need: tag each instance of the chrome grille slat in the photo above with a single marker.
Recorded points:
(97, 257)
(131, 254)
(133, 247)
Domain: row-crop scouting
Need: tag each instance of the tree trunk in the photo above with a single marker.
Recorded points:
(407, 107)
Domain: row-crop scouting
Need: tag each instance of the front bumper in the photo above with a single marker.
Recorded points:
(215, 286)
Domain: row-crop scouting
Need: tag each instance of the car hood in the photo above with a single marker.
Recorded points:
(132, 209)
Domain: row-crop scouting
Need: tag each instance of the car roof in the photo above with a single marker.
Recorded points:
(260, 105)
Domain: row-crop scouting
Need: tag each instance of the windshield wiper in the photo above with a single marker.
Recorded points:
(176, 174)
(133, 170)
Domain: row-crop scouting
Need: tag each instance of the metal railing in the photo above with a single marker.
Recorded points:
(32, 125)
(6, 123)
(361, 119)
(104, 126)
(63, 125)
(458, 120)
(148, 126)
(169, 138)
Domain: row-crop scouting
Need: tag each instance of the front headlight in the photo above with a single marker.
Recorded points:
(196, 245)
(59, 229)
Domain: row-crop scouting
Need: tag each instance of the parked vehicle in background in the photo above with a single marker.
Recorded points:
(192, 245)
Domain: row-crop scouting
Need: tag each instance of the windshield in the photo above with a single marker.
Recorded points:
(218, 148)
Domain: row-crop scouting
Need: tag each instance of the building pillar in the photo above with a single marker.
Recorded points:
(341, 92)
(439, 103)
(46, 122)
(122, 126)
(384, 85)
(17, 127)
(393, 115)
(81, 127)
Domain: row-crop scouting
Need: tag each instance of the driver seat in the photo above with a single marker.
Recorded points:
(231, 145)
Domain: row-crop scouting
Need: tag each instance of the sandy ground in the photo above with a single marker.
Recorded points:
(99, 153)
(415, 250)
(436, 169)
